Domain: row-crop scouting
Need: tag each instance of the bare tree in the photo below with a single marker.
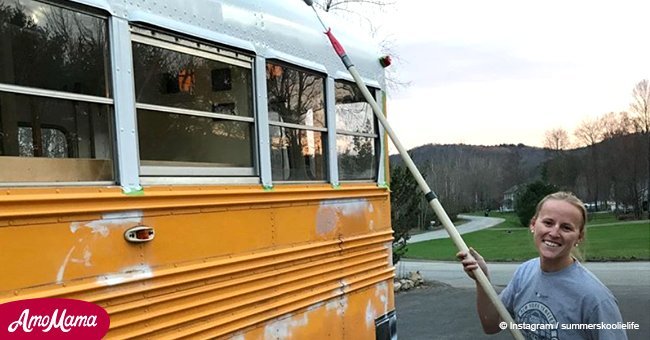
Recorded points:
(365, 12)
(349, 5)
(616, 124)
(640, 107)
(556, 139)
(619, 182)
(589, 133)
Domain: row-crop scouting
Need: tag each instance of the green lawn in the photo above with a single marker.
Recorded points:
(619, 242)
(601, 217)
(509, 241)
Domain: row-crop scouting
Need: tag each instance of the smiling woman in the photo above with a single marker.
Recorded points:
(554, 288)
(558, 230)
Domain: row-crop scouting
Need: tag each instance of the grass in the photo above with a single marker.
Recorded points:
(624, 241)
(509, 241)
(601, 217)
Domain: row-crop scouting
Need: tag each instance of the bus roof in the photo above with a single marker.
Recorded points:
(285, 30)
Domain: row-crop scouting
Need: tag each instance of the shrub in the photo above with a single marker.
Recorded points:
(527, 198)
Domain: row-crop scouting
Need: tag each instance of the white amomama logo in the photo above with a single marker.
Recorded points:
(62, 322)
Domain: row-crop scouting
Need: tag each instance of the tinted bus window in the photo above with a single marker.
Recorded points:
(55, 118)
(356, 138)
(170, 78)
(296, 103)
(194, 139)
(66, 49)
(194, 107)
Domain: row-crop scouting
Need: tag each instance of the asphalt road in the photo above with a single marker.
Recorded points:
(445, 308)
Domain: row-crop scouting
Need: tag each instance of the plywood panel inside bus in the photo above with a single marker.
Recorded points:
(30, 169)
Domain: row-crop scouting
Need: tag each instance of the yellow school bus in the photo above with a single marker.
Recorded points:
(201, 169)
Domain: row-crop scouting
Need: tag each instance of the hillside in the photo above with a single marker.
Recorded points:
(472, 177)
(528, 159)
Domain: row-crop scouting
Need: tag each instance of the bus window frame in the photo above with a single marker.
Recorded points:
(170, 172)
(63, 95)
(327, 130)
(377, 135)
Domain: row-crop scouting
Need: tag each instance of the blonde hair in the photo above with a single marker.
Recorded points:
(572, 199)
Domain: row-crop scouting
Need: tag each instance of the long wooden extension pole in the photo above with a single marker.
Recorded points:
(431, 197)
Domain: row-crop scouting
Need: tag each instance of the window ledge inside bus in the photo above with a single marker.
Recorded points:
(44, 169)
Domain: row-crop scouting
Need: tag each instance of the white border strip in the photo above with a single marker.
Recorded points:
(190, 112)
(54, 94)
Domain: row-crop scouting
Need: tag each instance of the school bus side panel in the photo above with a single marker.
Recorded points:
(223, 260)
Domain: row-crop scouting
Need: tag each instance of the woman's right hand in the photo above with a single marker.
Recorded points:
(471, 262)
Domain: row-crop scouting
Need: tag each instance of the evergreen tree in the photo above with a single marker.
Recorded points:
(527, 198)
(404, 201)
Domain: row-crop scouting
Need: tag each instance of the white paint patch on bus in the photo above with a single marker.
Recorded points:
(389, 251)
(282, 328)
(238, 336)
(109, 220)
(127, 275)
(85, 260)
(381, 291)
(370, 314)
(355, 207)
(326, 219)
(97, 228)
(59, 275)
(329, 211)
(339, 304)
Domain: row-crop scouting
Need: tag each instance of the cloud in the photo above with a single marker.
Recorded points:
(432, 64)
(505, 71)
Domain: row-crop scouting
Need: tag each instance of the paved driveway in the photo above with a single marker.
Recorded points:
(446, 308)
(475, 223)
(451, 273)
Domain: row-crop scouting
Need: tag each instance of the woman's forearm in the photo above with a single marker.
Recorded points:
(487, 313)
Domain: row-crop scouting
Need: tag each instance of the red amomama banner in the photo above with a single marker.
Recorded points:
(52, 318)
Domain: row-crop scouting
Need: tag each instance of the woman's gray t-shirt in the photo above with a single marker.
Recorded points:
(562, 305)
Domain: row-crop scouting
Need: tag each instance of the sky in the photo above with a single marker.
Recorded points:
(501, 71)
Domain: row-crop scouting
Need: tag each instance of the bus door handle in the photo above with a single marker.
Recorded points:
(139, 234)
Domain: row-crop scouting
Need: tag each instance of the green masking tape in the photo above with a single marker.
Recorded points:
(133, 191)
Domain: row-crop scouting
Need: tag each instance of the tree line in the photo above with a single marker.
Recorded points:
(608, 161)
(611, 161)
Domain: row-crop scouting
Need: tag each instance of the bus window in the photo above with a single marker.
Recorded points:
(55, 106)
(356, 134)
(296, 105)
(194, 106)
